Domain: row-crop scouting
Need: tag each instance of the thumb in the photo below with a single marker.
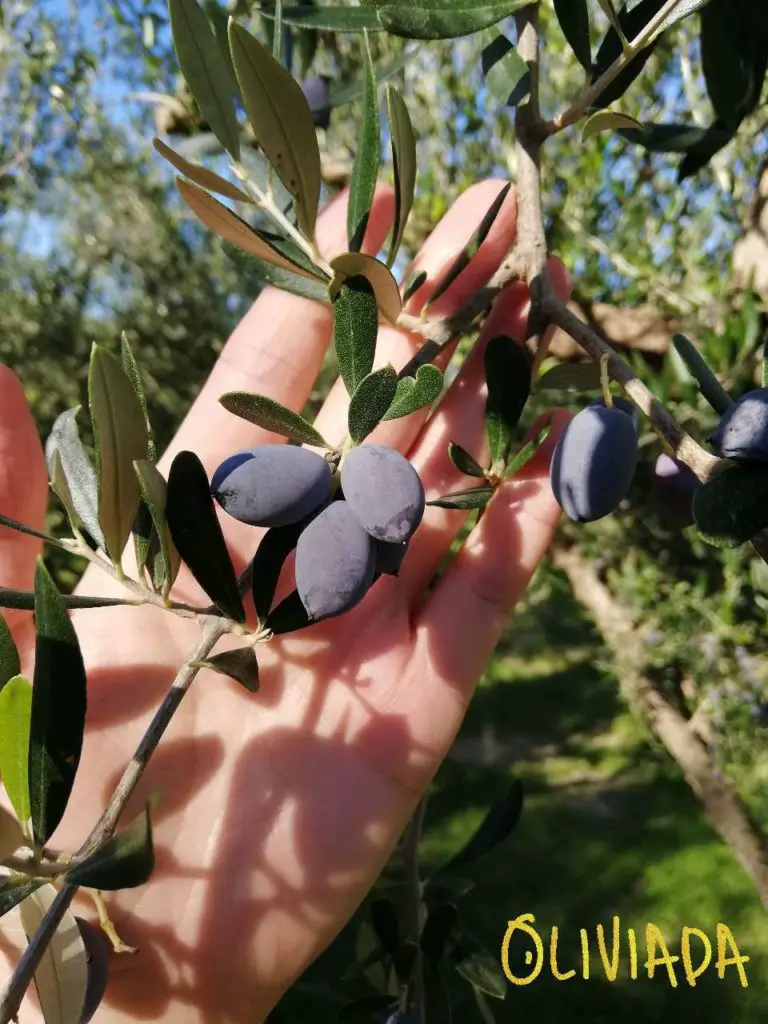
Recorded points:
(23, 489)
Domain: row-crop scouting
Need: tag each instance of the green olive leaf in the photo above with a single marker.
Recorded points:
(154, 492)
(404, 163)
(506, 74)
(475, 497)
(332, 19)
(201, 175)
(508, 378)
(573, 16)
(15, 718)
(59, 698)
(120, 431)
(732, 506)
(10, 664)
(582, 376)
(414, 393)
(204, 67)
(464, 462)
(268, 562)
(608, 120)
(123, 862)
(355, 330)
(370, 402)
(271, 415)
(479, 966)
(385, 287)
(196, 532)
(281, 121)
(16, 888)
(365, 171)
(73, 478)
(287, 280)
(444, 19)
(61, 978)
(227, 225)
(240, 665)
(711, 388)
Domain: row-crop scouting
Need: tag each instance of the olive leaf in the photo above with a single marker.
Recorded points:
(365, 170)
(73, 478)
(628, 23)
(57, 717)
(16, 888)
(404, 166)
(508, 378)
(415, 392)
(526, 453)
(287, 280)
(499, 822)
(506, 73)
(204, 67)
(608, 120)
(271, 415)
(583, 376)
(444, 19)
(573, 16)
(290, 615)
(734, 58)
(61, 977)
(355, 329)
(281, 121)
(24, 600)
(196, 532)
(15, 718)
(268, 562)
(133, 373)
(711, 388)
(440, 932)
(332, 19)
(227, 225)
(732, 506)
(470, 249)
(385, 287)
(123, 862)
(240, 664)
(154, 492)
(479, 966)
(370, 402)
(413, 284)
(475, 497)
(121, 435)
(201, 175)
(464, 462)
(10, 665)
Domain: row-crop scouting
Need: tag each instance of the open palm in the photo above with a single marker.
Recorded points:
(277, 811)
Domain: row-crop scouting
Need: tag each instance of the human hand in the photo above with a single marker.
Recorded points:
(278, 810)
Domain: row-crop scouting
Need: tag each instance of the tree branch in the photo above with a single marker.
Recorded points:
(722, 804)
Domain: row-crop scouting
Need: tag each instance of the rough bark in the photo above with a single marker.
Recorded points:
(722, 805)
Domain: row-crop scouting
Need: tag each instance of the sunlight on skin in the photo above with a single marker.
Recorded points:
(279, 810)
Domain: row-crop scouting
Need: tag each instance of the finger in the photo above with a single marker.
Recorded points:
(462, 619)
(23, 489)
(277, 349)
(461, 418)
(436, 255)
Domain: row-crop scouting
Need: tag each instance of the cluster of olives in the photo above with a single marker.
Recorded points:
(349, 535)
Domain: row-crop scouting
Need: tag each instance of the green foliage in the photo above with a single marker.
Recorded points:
(508, 379)
(240, 665)
(15, 718)
(57, 717)
(355, 329)
(371, 401)
(271, 415)
(10, 664)
(414, 393)
(367, 158)
(196, 533)
(123, 862)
